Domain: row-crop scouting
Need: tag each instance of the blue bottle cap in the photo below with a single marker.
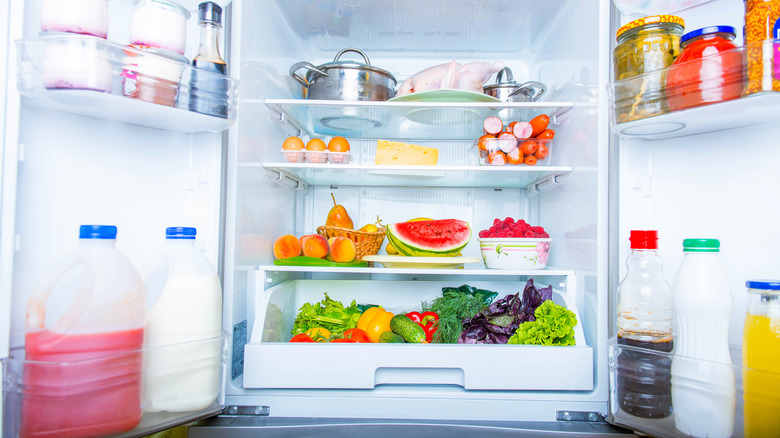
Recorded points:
(97, 232)
(707, 30)
(180, 233)
(763, 284)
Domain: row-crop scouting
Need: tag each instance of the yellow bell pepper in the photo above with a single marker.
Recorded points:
(375, 321)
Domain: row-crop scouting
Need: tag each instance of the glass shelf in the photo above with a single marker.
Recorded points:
(404, 120)
(409, 176)
(470, 269)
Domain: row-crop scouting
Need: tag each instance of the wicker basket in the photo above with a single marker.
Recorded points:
(366, 243)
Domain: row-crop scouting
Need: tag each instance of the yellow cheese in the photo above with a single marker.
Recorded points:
(393, 152)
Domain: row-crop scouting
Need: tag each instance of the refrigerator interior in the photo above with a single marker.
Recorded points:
(560, 43)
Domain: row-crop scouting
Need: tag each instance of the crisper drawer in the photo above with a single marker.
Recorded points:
(273, 362)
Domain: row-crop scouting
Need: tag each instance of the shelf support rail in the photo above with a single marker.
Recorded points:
(285, 180)
(547, 183)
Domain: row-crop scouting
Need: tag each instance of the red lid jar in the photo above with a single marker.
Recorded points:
(708, 69)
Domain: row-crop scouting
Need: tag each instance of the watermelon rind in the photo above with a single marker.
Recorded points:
(413, 244)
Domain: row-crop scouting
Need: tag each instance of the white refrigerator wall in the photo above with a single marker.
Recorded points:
(561, 43)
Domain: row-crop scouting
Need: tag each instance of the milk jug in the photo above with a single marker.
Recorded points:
(183, 328)
(83, 371)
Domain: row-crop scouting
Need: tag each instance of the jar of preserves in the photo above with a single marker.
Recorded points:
(761, 358)
(708, 70)
(761, 17)
(645, 47)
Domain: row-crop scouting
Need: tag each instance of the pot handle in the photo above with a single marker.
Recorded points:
(365, 57)
(533, 85)
(308, 66)
(500, 75)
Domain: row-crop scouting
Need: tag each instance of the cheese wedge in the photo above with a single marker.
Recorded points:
(393, 152)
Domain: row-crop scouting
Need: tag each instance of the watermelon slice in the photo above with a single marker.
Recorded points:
(430, 238)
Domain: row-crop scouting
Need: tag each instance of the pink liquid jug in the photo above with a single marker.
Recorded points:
(82, 374)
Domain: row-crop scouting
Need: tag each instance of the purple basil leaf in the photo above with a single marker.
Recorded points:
(546, 293)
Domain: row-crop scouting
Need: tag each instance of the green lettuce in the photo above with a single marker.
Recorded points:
(328, 314)
(554, 325)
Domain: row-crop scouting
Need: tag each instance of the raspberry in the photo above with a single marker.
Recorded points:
(537, 229)
(483, 233)
(496, 221)
(517, 233)
(545, 235)
(522, 222)
(529, 233)
(493, 229)
(509, 221)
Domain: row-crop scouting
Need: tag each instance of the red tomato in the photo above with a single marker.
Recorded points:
(303, 337)
(528, 147)
(546, 134)
(539, 123)
(357, 335)
(345, 340)
(530, 160)
(541, 152)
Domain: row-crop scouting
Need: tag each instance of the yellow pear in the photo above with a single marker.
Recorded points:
(338, 217)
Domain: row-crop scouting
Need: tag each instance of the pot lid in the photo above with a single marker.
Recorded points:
(501, 83)
(354, 65)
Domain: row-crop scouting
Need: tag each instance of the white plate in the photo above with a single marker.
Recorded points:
(445, 95)
(395, 261)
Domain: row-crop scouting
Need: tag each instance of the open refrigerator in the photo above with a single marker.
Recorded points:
(86, 157)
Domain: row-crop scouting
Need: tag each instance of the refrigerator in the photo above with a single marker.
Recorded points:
(73, 157)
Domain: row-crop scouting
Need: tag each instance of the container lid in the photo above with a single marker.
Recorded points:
(180, 233)
(353, 65)
(701, 245)
(97, 232)
(763, 284)
(708, 30)
(653, 19)
(644, 239)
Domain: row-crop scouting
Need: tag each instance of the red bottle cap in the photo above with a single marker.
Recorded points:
(644, 239)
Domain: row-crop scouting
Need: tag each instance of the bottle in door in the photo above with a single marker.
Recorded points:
(208, 82)
(645, 320)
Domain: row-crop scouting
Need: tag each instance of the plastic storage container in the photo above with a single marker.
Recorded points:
(88, 17)
(702, 376)
(644, 312)
(102, 331)
(708, 69)
(187, 307)
(153, 75)
(761, 359)
(159, 23)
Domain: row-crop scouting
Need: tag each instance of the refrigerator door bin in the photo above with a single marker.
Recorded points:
(366, 366)
(91, 76)
(90, 397)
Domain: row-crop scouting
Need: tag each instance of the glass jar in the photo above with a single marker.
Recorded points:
(761, 358)
(152, 75)
(88, 17)
(708, 69)
(761, 18)
(160, 24)
(645, 47)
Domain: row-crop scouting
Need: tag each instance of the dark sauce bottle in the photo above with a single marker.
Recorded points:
(644, 379)
(208, 81)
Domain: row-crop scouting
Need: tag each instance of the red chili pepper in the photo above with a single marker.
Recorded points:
(425, 320)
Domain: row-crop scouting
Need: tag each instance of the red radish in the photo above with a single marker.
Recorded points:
(523, 130)
(497, 158)
(539, 124)
(493, 125)
(514, 156)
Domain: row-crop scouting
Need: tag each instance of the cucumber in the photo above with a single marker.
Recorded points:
(409, 330)
(390, 338)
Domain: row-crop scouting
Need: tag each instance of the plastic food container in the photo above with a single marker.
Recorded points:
(515, 253)
(159, 23)
(75, 62)
(88, 17)
(318, 157)
(294, 156)
(152, 75)
(499, 152)
(339, 157)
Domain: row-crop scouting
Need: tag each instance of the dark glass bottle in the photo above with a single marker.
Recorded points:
(208, 83)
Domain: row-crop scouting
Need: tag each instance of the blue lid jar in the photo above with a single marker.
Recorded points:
(97, 232)
(180, 233)
(727, 32)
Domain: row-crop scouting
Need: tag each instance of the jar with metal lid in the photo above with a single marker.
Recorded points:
(645, 46)
(761, 358)
(708, 69)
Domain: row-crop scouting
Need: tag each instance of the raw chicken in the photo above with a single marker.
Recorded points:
(432, 78)
(470, 77)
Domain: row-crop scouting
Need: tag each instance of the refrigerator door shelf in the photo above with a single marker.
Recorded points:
(90, 76)
(405, 120)
(366, 366)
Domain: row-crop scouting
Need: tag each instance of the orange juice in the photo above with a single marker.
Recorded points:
(761, 360)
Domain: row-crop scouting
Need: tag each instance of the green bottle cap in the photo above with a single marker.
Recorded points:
(701, 245)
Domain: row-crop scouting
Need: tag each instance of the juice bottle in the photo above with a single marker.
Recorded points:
(82, 373)
(761, 359)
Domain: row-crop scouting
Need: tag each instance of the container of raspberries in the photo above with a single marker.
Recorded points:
(510, 244)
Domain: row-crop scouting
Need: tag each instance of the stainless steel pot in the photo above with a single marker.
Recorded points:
(345, 80)
(511, 91)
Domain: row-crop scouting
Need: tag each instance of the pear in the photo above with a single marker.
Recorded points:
(338, 217)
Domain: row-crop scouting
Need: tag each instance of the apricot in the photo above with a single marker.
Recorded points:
(287, 246)
(342, 250)
(314, 245)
